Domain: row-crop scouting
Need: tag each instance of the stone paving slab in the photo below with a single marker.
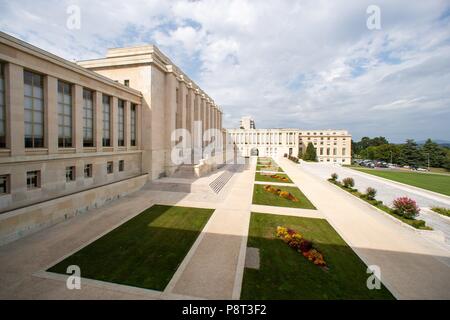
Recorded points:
(308, 213)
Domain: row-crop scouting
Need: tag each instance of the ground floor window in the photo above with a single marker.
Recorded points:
(33, 179)
(4, 184)
(121, 165)
(70, 173)
(109, 167)
(88, 171)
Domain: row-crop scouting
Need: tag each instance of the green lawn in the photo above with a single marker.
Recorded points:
(144, 251)
(434, 182)
(267, 178)
(286, 274)
(260, 196)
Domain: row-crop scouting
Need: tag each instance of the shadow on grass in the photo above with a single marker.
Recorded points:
(285, 274)
(143, 252)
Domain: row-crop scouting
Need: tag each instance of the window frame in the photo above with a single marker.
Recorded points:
(88, 118)
(133, 125)
(121, 165)
(71, 177)
(88, 168)
(5, 187)
(67, 142)
(33, 110)
(121, 123)
(106, 121)
(37, 179)
(3, 135)
(108, 164)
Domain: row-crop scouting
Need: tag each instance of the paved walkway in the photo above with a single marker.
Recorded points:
(412, 267)
(214, 267)
(388, 190)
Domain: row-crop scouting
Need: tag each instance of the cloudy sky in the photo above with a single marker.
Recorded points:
(306, 64)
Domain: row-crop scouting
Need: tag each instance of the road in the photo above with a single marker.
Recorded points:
(387, 191)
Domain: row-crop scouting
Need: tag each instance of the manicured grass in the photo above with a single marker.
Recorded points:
(416, 223)
(434, 182)
(268, 178)
(260, 196)
(286, 274)
(443, 211)
(144, 251)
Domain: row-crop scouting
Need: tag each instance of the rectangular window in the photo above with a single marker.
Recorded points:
(34, 109)
(328, 151)
(106, 121)
(64, 115)
(4, 184)
(88, 170)
(133, 127)
(88, 118)
(121, 124)
(321, 151)
(2, 108)
(126, 83)
(109, 167)
(121, 165)
(343, 151)
(70, 173)
(33, 179)
(334, 151)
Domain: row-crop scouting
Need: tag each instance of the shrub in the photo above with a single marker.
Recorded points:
(418, 224)
(371, 193)
(406, 207)
(348, 182)
(334, 176)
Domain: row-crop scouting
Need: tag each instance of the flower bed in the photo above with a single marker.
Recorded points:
(416, 223)
(281, 178)
(296, 241)
(284, 194)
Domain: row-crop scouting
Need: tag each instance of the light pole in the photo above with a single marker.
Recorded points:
(428, 156)
(391, 157)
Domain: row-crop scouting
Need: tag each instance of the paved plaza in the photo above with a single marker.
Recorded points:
(413, 264)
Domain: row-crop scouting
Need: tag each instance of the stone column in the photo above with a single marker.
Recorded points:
(15, 129)
(51, 114)
(170, 120)
(98, 120)
(78, 117)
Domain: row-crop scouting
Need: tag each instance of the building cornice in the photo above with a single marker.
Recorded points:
(23, 46)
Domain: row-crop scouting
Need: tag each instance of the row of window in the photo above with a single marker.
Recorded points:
(34, 115)
(34, 177)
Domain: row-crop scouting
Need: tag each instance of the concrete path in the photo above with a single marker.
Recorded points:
(388, 190)
(213, 268)
(412, 267)
(287, 211)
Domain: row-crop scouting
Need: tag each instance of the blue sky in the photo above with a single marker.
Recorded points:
(307, 64)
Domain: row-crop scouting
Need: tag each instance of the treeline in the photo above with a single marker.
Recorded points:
(408, 153)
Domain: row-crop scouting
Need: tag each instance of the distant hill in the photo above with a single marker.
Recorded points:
(442, 143)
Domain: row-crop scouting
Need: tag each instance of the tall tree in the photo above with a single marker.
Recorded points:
(310, 153)
(434, 153)
(410, 154)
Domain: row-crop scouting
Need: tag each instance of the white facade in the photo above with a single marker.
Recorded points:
(332, 146)
(247, 123)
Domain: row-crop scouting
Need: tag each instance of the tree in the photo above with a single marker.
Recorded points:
(432, 151)
(310, 153)
(410, 154)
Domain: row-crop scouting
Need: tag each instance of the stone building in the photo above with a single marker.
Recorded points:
(75, 135)
(332, 146)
